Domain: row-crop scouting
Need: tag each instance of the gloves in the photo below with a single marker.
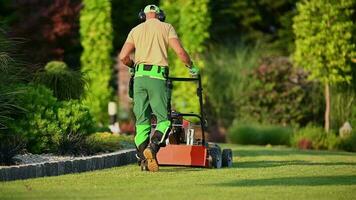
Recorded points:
(194, 71)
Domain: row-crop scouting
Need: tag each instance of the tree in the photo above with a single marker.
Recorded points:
(96, 38)
(268, 21)
(324, 47)
(49, 28)
(191, 20)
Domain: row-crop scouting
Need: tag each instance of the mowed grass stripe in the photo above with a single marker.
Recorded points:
(257, 173)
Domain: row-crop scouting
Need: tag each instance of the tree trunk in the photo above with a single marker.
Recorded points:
(327, 108)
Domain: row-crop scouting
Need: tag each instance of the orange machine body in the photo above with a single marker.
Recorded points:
(183, 155)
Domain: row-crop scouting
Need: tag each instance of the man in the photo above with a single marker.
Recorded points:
(149, 41)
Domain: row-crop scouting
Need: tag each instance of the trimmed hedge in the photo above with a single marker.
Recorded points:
(242, 133)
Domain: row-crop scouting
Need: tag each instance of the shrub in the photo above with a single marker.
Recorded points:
(283, 95)
(311, 137)
(50, 29)
(191, 19)
(75, 123)
(10, 146)
(343, 105)
(51, 126)
(231, 66)
(11, 72)
(65, 83)
(241, 133)
(108, 142)
(38, 124)
(349, 143)
(96, 38)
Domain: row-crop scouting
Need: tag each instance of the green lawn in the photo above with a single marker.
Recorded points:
(258, 173)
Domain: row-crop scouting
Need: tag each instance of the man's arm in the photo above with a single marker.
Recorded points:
(124, 55)
(175, 44)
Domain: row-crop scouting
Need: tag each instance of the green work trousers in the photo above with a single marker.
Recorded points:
(150, 96)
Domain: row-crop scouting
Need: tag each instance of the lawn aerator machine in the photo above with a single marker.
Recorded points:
(182, 146)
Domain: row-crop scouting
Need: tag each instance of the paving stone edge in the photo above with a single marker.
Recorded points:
(82, 164)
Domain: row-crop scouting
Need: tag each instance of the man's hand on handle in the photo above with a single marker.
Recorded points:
(193, 70)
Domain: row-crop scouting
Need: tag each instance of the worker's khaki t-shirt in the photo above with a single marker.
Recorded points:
(150, 39)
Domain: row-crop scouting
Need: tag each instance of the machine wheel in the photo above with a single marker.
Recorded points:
(226, 158)
(215, 154)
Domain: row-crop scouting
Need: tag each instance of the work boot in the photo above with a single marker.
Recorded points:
(150, 156)
(151, 151)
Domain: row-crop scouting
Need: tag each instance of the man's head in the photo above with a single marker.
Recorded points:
(151, 11)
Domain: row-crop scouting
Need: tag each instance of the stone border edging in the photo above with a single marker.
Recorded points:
(76, 165)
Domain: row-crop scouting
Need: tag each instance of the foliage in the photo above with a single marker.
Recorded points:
(51, 126)
(8, 105)
(108, 142)
(343, 107)
(324, 45)
(76, 124)
(50, 29)
(323, 32)
(267, 21)
(312, 137)
(231, 66)
(275, 92)
(96, 39)
(65, 83)
(243, 133)
(38, 124)
(191, 20)
(283, 95)
(10, 146)
(10, 74)
(349, 143)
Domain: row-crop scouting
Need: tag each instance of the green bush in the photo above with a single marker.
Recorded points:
(96, 38)
(232, 66)
(349, 143)
(343, 105)
(76, 124)
(11, 73)
(191, 19)
(242, 133)
(38, 124)
(108, 142)
(283, 95)
(311, 137)
(65, 83)
(48, 125)
(10, 146)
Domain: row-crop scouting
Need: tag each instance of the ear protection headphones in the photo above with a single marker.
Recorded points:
(160, 15)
